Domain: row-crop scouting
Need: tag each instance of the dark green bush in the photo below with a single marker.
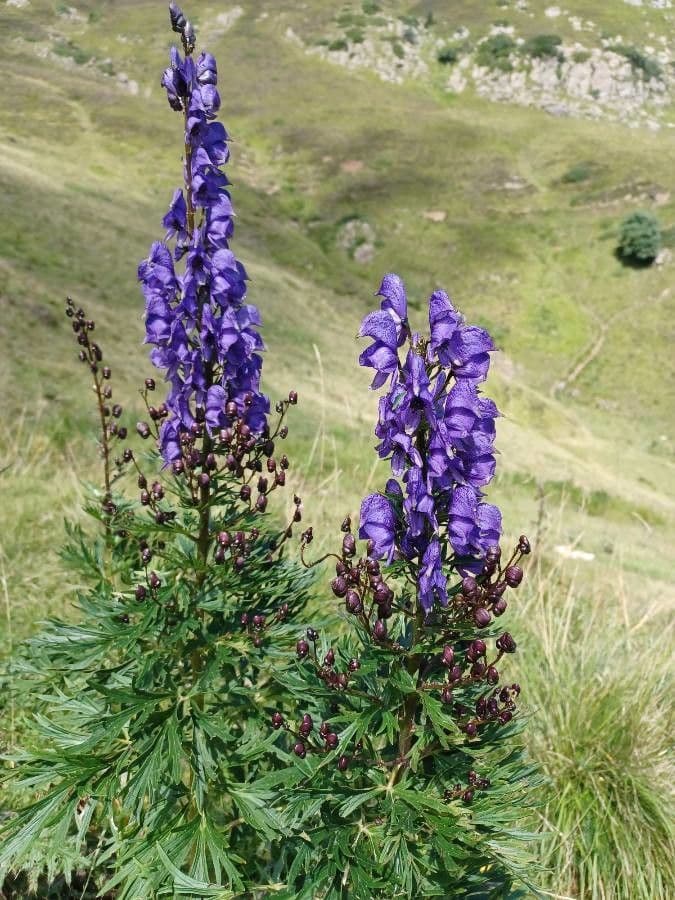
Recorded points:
(581, 56)
(647, 65)
(370, 7)
(495, 52)
(542, 46)
(640, 238)
(448, 56)
(337, 45)
(579, 172)
(354, 36)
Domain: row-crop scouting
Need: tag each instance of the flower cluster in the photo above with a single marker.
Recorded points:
(438, 431)
(204, 335)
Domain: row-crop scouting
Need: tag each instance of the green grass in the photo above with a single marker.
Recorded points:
(86, 172)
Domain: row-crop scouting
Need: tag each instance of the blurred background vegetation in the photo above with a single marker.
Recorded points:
(341, 174)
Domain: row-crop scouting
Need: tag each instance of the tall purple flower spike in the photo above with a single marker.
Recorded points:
(438, 433)
(205, 337)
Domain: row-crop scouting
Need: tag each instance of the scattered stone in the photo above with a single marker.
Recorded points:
(357, 238)
(552, 12)
(19, 4)
(570, 553)
(664, 257)
(435, 215)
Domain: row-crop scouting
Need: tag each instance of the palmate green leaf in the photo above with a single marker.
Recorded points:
(254, 806)
(358, 799)
(185, 885)
(27, 825)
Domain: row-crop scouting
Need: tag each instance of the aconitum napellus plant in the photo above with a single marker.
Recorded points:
(409, 777)
(148, 761)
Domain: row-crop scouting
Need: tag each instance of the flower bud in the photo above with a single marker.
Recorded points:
(261, 502)
(446, 694)
(346, 524)
(280, 478)
(353, 603)
(312, 635)
(524, 545)
(293, 397)
(506, 643)
(513, 576)
(277, 720)
(302, 649)
(353, 665)
(141, 593)
(339, 586)
(332, 740)
(470, 729)
(150, 384)
(482, 617)
(178, 466)
(505, 716)
(349, 545)
(143, 429)
(500, 607)
(204, 479)
(343, 763)
(300, 750)
(448, 656)
(380, 630)
(467, 796)
(469, 586)
(329, 659)
(492, 675)
(154, 580)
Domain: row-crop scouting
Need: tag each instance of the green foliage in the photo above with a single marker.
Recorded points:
(447, 56)
(640, 238)
(147, 741)
(542, 46)
(398, 49)
(370, 7)
(579, 172)
(338, 45)
(647, 66)
(581, 56)
(495, 52)
(71, 51)
(384, 813)
(355, 36)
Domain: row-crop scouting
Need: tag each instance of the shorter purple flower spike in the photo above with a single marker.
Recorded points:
(433, 585)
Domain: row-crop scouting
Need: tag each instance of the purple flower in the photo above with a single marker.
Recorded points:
(432, 583)
(381, 355)
(378, 524)
(395, 303)
(463, 348)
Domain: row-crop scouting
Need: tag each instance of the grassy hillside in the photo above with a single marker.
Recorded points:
(448, 190)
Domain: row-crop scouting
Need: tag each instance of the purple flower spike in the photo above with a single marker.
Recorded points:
(382, 355)
(378, 524)
(205, 336)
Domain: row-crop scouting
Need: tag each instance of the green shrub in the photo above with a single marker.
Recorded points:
(581, 56)
(354, 36)
(370, 7)
(579, 172)
(646, 65)
(448, 56)
(398, 50)
(337, 45)
(640, 237)
(71, 51)
(542, 46)
(495, 52)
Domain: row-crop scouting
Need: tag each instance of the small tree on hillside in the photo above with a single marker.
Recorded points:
(640, 238)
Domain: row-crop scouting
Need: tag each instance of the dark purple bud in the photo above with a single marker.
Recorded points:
(493, 555)
(455, 674)
(244, 620)
(204, 479)
(339, 586)
(479, 647)
(446, 694)
(346, 525)
(150, 384)
(271, 466)
(478, 669)
(348, 545)
(492, 675)
(283, 432)
(283, 462)
(380, 630)
(154, 580)
(293, 397)
(305, 729)
(145, 498)
(210, 462)
(492, 707)
(343, 763)
(469, 586)
(329, 658)
(505, 716)
(482, 617)
(106, 372)
(239, 563)
(117, 410)
(500, 607)
(262, 485)
(481, 707)
(178, 466)
(353, 665)
(261, 502)
(513, 576)
(467, 796)
(470, 729)
(353, 603)
(524, 545)
(224, 538)
(143, 429)
(277, 720)
(324, 729)
(141, 593)
(506, 643)
(383, 593)
(448, 656)
(280, 478)
(302, 649)
(471, 777)
(300, 750)
(332, 740)
(312, 635)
